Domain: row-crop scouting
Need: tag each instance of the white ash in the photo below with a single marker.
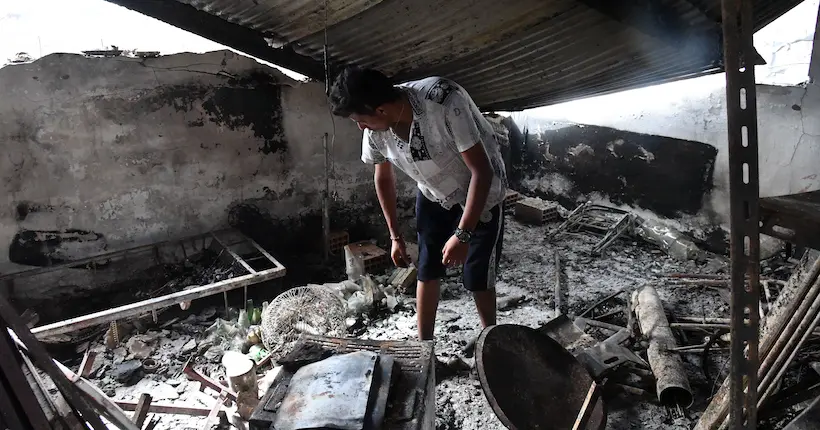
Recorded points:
(527, 271)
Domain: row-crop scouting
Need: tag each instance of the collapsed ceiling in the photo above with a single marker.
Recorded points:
(509, 56)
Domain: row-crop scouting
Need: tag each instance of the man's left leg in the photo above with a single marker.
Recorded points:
(481, 267)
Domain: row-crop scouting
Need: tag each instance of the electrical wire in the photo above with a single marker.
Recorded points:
(332, 146)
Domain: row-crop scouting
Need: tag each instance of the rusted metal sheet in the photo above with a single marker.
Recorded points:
(509, 56)
(330, 393)
(548, 388)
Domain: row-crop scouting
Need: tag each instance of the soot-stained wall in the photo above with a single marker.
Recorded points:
(571, 163)
(106, 153)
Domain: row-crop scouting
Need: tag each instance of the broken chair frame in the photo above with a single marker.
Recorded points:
(596, 219)
(230, 242)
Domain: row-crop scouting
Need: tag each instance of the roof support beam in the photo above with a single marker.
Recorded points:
(227, 33)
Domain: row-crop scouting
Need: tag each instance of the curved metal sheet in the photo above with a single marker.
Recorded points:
(530, 381)
(509, 56)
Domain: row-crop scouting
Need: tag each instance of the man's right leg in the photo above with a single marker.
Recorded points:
(435, 226)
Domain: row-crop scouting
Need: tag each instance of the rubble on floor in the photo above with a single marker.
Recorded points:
(180, 362)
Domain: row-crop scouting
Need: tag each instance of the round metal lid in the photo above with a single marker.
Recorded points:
(531, 381)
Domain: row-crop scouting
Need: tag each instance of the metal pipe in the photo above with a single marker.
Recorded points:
(716, 414)
(795, 341)
(672, 385)
(789, 338)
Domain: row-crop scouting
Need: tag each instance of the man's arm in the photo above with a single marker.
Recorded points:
(386, 191)
(481, 181)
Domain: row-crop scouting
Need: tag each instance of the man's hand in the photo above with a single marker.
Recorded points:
(454, 252)
(399, 253)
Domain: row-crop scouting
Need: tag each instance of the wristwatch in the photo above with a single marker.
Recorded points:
(463, 236)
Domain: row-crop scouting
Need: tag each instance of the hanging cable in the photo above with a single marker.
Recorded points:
(332, 149)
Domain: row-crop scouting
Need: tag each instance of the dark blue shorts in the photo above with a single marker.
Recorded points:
(436, 225)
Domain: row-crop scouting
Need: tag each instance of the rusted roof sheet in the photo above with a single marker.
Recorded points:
(509, 56)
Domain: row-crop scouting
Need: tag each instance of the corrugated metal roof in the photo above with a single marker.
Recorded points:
(511, 56)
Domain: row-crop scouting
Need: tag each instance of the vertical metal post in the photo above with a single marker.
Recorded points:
(741, 109)
(326, 201)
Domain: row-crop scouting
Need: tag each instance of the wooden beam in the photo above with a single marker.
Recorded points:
(142, 409)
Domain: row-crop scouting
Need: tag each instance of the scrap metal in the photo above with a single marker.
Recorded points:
(25, 339)
(672, 384)
(166, 409)
(776, 344)
(610, 223)
(109, 315)
(525, 399)
(744, 192)
(190, 372)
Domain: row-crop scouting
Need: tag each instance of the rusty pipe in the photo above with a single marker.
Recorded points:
(716, 415)
(795, 340)
(790, 337)
(672, 384)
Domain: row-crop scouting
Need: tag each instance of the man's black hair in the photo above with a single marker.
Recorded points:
(361, 91)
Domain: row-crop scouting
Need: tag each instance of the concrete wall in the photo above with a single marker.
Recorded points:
(105, 153)
(789, 131)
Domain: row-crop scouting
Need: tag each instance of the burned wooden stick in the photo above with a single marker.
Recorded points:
(672, 383)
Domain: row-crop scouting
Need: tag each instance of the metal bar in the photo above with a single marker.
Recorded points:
(699, 326)
(208, 382)
(234, 255)
(156, 303)
(167, 409)
(212, 416)
(744, 193)
(275, 262)
(587, 407)
(40, 355)
(142, 409)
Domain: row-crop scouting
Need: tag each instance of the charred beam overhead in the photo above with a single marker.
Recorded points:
(227, 33)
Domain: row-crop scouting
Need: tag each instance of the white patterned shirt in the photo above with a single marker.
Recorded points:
(446, 122)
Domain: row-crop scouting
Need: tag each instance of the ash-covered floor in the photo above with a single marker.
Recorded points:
(525, 290)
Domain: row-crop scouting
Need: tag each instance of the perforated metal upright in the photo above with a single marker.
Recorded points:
(741, 109)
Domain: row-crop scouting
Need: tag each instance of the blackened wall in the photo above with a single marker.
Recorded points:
(571, 163)
(106, 153)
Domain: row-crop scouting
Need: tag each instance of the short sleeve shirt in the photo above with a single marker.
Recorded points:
(446, 122)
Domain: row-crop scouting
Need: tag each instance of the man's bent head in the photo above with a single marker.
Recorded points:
(367, 97)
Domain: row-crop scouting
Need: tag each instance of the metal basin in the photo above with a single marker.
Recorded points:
(531, 381)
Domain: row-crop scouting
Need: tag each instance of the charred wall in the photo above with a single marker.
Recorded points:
(107, 153)
(572, 163)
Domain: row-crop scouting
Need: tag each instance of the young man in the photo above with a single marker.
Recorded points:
(432, 130)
